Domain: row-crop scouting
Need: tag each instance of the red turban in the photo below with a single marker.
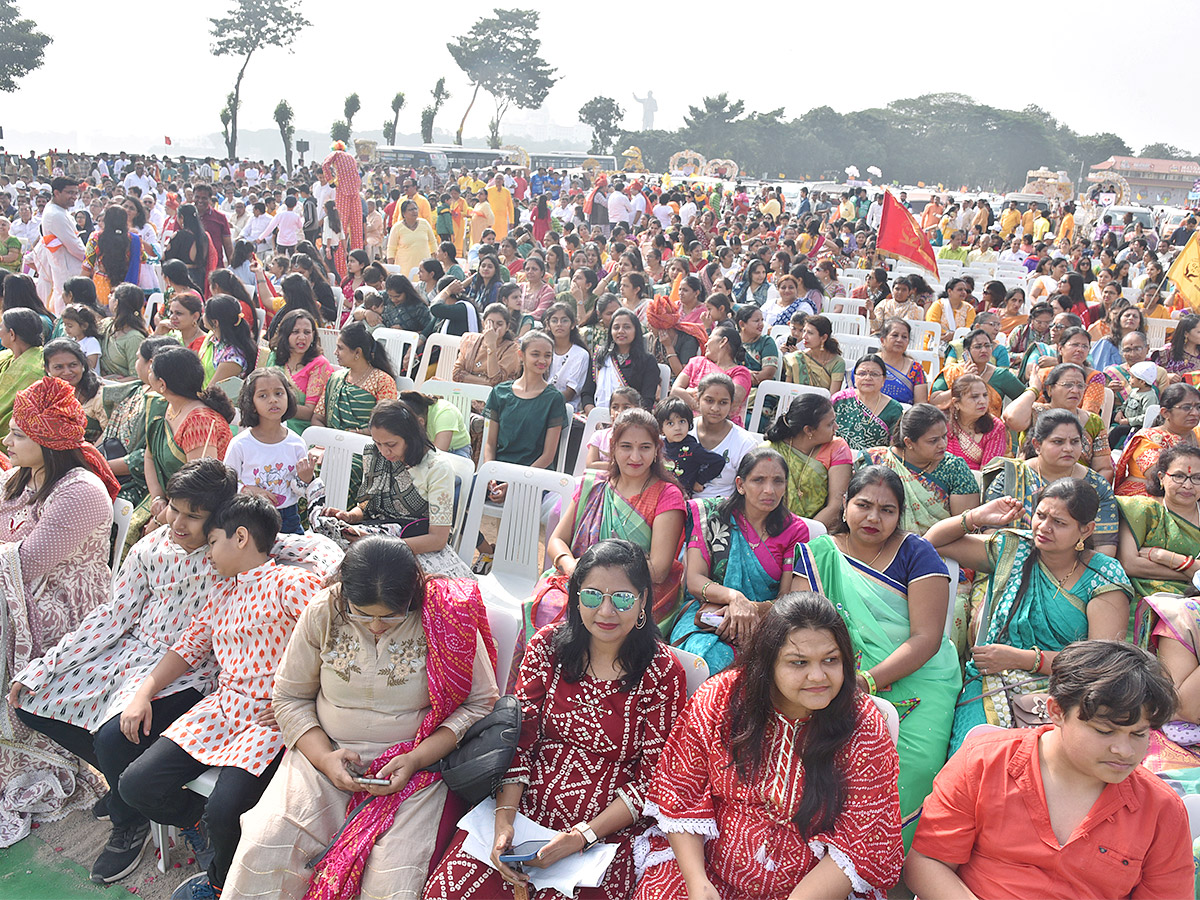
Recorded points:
(51, 416)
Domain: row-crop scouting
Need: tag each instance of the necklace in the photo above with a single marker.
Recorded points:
(1061, 581)
(871, 564)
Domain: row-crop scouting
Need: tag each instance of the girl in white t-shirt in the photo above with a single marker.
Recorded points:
(81, 324)
(715, 432)
(270, 459)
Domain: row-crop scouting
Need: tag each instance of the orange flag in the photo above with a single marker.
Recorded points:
(899, 234)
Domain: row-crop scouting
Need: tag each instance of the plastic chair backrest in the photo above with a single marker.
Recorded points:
(1152, 412)
(122, 514)
(1191, 802)
(780, 333)
(328, 338)
(815, 528)
(664, 372)
(785, 391)
(449, 344)
(564, 441)
(694, 668)
(506, 626)
(981, 729)
(399, 345)
(1156, 332)
(855, 347)
(515, 560)
(930, 360)
(849, 306)
(918, 330)
(340, 449)
(461, 395)
(847, 323)
(1106, 408)
(464, 471)
(952, 568)
(889, 714)
(597, 417)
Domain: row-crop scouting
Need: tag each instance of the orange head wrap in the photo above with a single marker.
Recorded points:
(662, 312)
(50, 415)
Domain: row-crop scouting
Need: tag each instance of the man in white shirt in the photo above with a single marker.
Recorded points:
(252, 174)
(139, 179)
(205, 170)
(687, 212)
(120, 164)
(154, 212)
(27, 226)
(239, 219)
(65, 249)
(663, 212)
(620, 209)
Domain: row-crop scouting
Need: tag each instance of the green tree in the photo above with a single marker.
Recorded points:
(350, 110)
(1164, 151)
(340, 131)
(603, 115)
(21, 46)
(228, 118)
(429, 113)
(250, 26)
(707, 125)
(390, 127)
(500, 55)
(287, 131)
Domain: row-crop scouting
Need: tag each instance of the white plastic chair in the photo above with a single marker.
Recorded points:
(400, 345)
(849, 306)
(815, 528)
(918, 330)
(664, 372)
(464, 470)
(1106, 408)
(1152, 412)
(981, 729)
(564, 442)
(780, 333)
(785, 391)
(1156, 332)
(328, 338)
(855, 347)
(340, 449)
(122, 514)
(515, 566)
(449, 344)
(597, 417)
(1191, 802)
(506, 627)
(163, 835)
(694, 667)
(889, 714)
(931, 360)
(848, 323)
(462, 396)
(952, 568)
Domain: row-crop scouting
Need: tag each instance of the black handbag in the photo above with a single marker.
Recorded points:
(473, 770)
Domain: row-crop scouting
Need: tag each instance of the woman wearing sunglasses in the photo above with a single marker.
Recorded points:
(599, 693)
(382, 676)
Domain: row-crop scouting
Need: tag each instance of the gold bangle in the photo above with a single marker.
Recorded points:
(704, 591)
(513, 808)
(560, 556)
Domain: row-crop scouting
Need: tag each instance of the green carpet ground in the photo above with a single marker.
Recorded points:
(33, 870)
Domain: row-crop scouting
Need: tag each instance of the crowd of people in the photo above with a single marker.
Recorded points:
(1003, 549)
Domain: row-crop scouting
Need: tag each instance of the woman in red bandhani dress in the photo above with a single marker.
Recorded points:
(599, 694)
(744, 793)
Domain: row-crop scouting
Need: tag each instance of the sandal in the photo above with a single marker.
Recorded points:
(483, 564)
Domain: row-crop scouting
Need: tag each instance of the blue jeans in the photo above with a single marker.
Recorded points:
(291, 520)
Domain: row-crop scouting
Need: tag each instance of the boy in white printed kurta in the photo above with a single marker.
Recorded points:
(246, 625)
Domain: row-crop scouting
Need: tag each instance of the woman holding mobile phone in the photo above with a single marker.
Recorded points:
(599, 693)
(362, 696)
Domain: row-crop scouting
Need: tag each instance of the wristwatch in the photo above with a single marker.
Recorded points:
(589, 837)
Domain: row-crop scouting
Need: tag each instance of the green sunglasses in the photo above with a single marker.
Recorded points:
(622, 600)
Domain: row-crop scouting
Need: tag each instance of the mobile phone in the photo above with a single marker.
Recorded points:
(366, 779)
(523, 852)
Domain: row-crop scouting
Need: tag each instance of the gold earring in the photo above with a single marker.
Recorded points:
(1079, 545)
(641, 622)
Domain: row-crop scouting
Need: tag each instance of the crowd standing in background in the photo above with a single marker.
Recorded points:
(929, 538)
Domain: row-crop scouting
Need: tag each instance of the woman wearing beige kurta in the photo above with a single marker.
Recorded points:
(352, 683)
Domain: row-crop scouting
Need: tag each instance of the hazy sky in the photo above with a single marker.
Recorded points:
(1098, 66)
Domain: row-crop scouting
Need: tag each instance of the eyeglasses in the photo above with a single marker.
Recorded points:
(1071, 385)
(1184, 407)
(1182, 477)
(623, 601)
(367, 620)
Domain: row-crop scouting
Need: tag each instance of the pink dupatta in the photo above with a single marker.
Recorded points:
(452, 615)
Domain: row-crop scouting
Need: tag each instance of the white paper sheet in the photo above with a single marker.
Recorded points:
(565, 876)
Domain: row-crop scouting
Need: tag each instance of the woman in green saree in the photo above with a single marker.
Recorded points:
(739, 559)
(818, 462)
(195, 424)
(352, 392)
(820, 363)
(22, 335)
(865, 415)
(936, 485)
(1045, 590)
(1160, 533)
(891, 586)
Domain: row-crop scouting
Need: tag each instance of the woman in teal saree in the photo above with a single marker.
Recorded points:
(1045, 590)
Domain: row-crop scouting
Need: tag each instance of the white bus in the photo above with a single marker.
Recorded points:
(414, 157)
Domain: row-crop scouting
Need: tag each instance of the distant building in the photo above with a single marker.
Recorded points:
(1155, 180)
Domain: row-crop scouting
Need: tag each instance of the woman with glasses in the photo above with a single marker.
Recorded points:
(1063, 388)
(1183, 356)
(739, 558)
(1180, 416)
(1002, 384)
(383, 675)
(599, 693)
(1119, 320)
(1160, 533)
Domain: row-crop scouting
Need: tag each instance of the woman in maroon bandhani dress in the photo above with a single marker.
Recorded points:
(745, 793)
(599, 694)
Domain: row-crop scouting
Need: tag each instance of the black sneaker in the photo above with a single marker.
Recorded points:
(197, 887)
(122, 853)
(197, 838)
(100, 809)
